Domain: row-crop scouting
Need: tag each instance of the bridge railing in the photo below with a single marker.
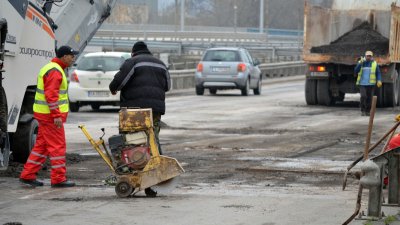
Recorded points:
(183, 79)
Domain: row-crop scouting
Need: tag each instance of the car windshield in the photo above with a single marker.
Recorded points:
(222, 56)
(103, 63)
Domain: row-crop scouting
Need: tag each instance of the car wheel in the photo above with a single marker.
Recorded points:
(213, 91)
(95, 107)
(257, 91)
(246, 89)
(74, 106)
(199, 90)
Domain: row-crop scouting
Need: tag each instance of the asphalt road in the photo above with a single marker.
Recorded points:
(265, 160)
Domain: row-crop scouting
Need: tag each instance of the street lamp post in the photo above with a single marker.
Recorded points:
(235, 17)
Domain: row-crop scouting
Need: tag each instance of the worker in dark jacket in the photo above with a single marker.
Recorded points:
(368, 76)
(143, 81)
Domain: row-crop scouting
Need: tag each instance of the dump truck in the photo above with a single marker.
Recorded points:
(336, 34)
(30, 31)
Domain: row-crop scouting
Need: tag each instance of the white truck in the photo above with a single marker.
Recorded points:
(30, 31)
(336, 34)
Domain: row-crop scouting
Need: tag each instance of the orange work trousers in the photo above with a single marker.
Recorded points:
(50, 142)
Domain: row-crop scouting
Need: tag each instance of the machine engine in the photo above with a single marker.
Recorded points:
(130, 151)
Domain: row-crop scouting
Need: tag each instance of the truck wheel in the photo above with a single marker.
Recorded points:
(311, 92)
(379, 97)
(324, 95)
(23, 140)
(341, 96)
(391, 91)
(74, 106)
(4, 141)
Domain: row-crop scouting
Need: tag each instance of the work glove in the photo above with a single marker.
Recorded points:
(397, 118)
(379, 84)
(362, 59)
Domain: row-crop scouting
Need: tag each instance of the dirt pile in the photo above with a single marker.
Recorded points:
(355, 42)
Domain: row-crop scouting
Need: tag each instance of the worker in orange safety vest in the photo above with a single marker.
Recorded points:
(51, 110)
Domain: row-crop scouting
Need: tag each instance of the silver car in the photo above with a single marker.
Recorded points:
(228, 68)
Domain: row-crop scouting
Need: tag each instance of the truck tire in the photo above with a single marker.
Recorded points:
(324, 95)
(3, 110)
(391, 92)
(4, 141)
(311, 91)
(23, 140)
(379, 97)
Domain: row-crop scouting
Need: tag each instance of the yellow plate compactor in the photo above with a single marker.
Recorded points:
(134, 155)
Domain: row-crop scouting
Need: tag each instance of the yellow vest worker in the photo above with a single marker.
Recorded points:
(51, 110)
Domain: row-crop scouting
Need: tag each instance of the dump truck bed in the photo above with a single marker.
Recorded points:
(322, 26)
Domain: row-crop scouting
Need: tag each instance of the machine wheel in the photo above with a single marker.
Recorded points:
(199, 90)
(23, 140)
(246, 89)
(324, 95)
(123, 189)
(257, 91)
(95, 107)
(311, 92)
(74, 106)
(213, 91)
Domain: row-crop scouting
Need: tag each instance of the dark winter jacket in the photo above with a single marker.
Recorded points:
(143, 81)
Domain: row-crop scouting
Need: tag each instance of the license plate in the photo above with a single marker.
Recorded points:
(220, 69)
(98, 93)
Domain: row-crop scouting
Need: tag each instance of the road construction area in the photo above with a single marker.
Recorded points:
(260, 160)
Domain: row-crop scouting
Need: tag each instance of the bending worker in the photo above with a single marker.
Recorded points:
(51, 110)
(368, 77)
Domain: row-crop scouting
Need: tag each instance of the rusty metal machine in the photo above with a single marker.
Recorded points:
(134, 157)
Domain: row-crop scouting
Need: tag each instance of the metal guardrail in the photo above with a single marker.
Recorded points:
(183, 36)
(182, 79)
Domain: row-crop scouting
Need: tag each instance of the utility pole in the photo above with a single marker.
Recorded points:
(182, 15)
(261, 29)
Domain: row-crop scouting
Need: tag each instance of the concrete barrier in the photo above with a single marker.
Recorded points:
(183, 79)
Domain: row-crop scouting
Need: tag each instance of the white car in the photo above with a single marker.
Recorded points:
(91, 78)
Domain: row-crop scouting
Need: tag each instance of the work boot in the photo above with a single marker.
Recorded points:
(63, 184)
(33, 183)
(150, 192)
